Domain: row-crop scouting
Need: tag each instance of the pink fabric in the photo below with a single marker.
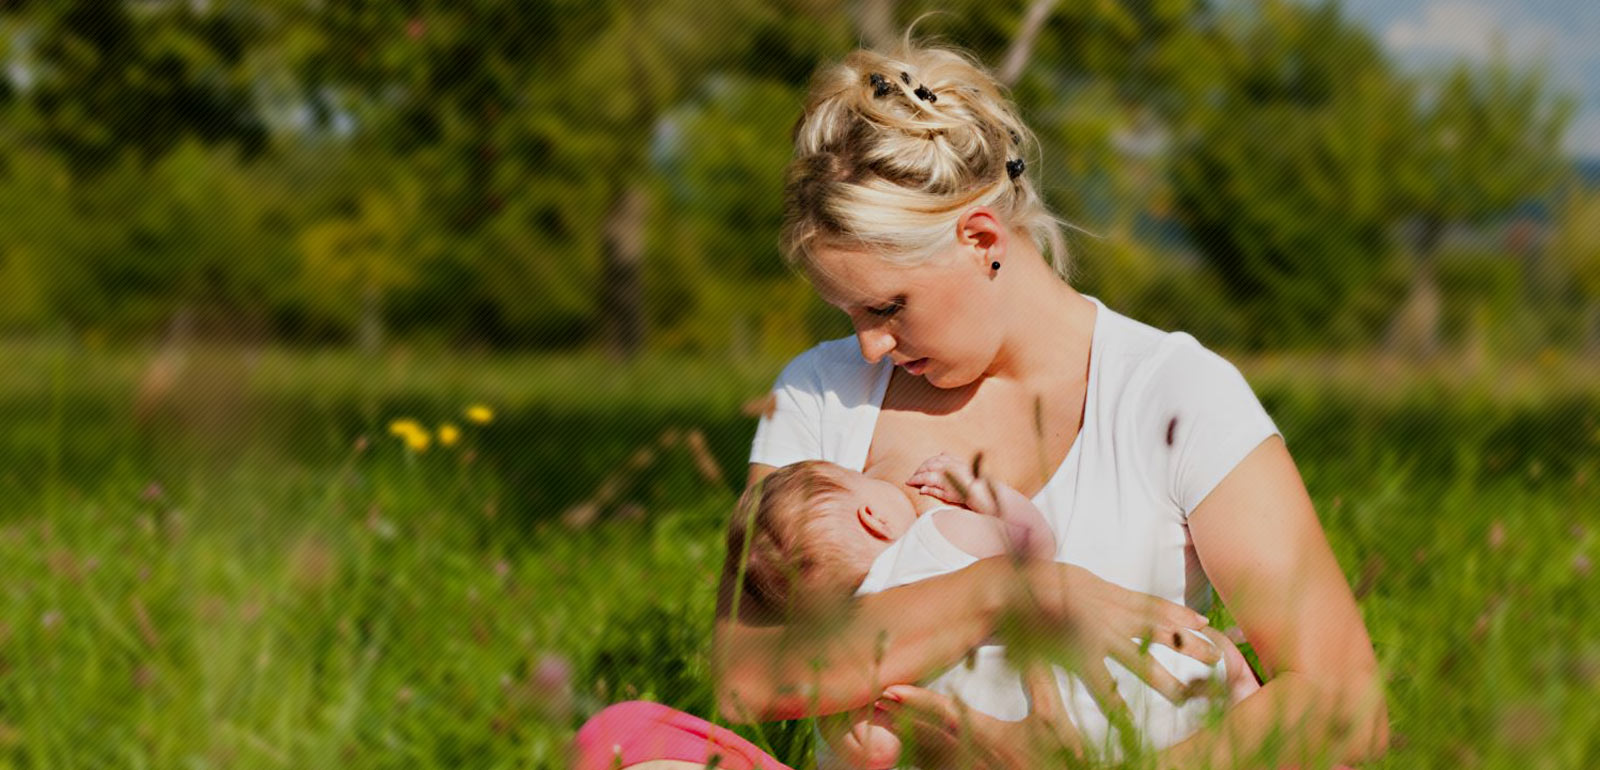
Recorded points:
(639, 731)
(633, 732)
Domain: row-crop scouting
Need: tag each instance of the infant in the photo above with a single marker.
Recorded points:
(820, 533)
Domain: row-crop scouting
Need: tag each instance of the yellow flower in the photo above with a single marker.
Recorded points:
(403, 427)
(480, 414)
(449, 434)
(418, 440)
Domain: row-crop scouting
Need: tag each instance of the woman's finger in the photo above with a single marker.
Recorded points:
(1196, 643)
(1098, 679)
(1048, 710)
(1044, 694)
(1137, 659)
(942, 709)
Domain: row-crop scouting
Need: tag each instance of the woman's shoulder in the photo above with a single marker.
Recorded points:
(1137, 350)
(1152, 369)
(828, 366)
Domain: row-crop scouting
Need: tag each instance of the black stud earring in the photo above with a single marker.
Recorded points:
(994, 266)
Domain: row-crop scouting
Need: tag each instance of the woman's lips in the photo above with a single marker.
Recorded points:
(915, 367)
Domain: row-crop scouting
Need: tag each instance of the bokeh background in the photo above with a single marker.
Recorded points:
(376, 375)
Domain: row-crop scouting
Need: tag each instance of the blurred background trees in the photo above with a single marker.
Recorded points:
(562, 174)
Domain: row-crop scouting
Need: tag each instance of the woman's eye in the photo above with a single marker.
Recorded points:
(887, 310)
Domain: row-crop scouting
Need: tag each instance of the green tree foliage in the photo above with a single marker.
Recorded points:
(1284, 172)
(110, 78)
(1486, 139)
(114, 256)
(1576, 253)
(557, 173)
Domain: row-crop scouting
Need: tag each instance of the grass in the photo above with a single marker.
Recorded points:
(240, 568)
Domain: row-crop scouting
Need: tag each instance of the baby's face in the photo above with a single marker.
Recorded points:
(879, 509)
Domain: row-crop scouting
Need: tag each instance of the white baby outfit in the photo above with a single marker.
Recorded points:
(1164, 422)
(991, 685)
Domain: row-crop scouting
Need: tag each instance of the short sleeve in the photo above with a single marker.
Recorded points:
(791, 430)
(1206, 420)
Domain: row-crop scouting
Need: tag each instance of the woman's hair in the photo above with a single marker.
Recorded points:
(893, 147)
(790, 546)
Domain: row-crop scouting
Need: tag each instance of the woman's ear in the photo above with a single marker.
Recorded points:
(873, 524)
(980, 234)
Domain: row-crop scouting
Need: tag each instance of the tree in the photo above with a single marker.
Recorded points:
(1486, 140)
(365, 255)
(1576, 250)
(115, 77)
(1284, 173)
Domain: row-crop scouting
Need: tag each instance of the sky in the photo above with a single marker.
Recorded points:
(1563, 36)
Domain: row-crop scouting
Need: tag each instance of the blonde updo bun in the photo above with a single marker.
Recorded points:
(888, 164)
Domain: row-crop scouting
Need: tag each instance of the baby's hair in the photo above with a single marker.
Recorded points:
(785, 553)
(894, 147)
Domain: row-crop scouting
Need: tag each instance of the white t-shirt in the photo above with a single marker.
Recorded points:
(988, 682)
(1164, 421)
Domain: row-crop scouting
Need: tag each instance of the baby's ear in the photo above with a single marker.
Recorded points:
(873, 523)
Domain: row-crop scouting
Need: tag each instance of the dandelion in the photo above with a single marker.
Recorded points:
(449, 434)
(418, 440)
(404, 428)
(480, 414)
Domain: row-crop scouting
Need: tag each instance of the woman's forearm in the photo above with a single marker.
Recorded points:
(1293, 720)
(831, 665)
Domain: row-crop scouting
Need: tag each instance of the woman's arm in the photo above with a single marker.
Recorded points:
(901, 635)
(906, 633)
(1263, 549)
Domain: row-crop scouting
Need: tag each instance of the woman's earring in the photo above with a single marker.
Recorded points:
(995, 266)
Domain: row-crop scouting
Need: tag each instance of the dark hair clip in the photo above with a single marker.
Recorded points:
(924, 94)
(880, 85)
(905, 77)
(1014, 168)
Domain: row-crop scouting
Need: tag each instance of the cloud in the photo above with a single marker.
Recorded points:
(1583, 137)
(1462, 28)
(1556, 35)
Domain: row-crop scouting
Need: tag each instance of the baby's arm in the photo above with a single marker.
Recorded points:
(862, 738)
(951, 480)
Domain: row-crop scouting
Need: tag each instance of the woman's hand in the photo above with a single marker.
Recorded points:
(1064, 612)
(946, 733)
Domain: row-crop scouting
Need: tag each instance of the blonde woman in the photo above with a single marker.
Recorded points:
(911, 207)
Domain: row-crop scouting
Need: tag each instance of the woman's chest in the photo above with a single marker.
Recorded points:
(1013, 435)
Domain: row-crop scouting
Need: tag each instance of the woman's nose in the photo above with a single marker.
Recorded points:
(875, 344)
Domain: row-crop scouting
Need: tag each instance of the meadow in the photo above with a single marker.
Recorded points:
(225, 557)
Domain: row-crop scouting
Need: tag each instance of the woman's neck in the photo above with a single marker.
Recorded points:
(1050, 326)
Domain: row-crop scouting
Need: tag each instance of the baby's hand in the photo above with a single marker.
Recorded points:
(951, 480)
(863, 739)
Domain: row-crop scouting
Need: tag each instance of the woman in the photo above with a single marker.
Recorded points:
(911, 208)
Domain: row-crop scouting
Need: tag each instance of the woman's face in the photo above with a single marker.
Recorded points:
(936, 319)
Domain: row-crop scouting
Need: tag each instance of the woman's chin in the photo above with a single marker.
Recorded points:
(944, 379)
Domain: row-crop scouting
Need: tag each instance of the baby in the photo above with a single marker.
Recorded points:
(820, 533)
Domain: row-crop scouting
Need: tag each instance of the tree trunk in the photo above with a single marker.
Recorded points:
(1022, 48)
(621, 293)
(369, 330)
(1415, 329)
(875, 22)
(1591, 337)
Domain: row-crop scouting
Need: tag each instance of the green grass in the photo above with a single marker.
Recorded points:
(224, 574)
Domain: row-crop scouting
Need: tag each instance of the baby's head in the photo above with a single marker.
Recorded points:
(816, 529)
